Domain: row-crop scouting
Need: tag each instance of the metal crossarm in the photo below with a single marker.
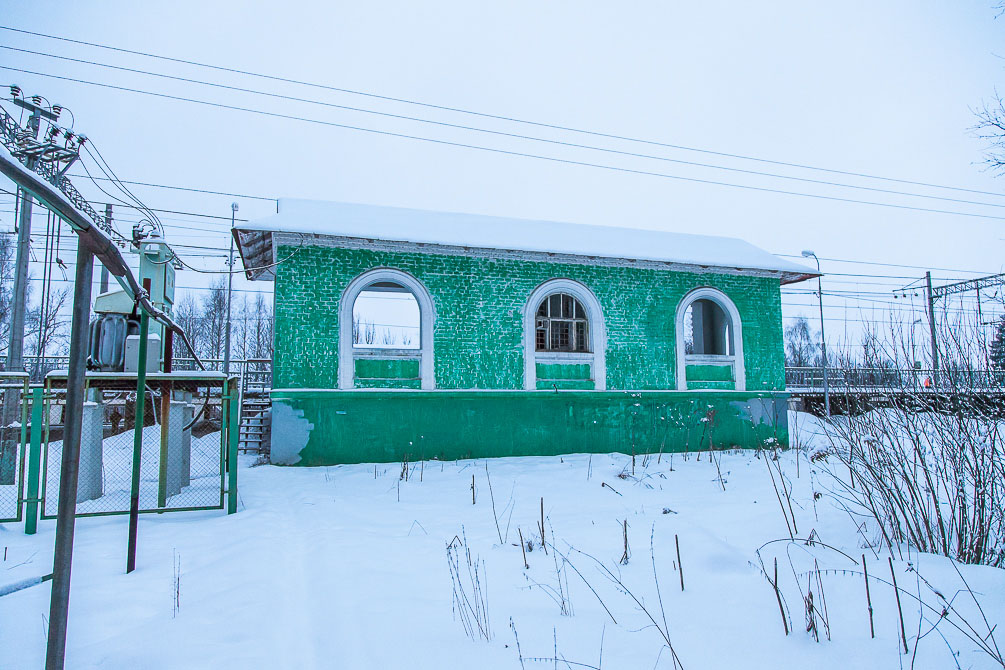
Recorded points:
(968, 285)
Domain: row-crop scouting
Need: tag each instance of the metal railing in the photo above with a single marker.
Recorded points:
(260, 369)
(920, 379)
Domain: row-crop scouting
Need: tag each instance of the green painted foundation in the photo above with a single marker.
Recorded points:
(322, 427)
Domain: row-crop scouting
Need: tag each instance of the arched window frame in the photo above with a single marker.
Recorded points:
(721, 299)
(597, 332)
(427, 316)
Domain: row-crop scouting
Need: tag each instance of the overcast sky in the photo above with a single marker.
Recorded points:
(883, 88)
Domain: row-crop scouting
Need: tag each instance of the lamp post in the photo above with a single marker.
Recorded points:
(230, 291)
(823, 340)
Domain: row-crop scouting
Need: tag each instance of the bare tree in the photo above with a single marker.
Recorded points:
(801, 344)
(263, 324)
(990, 127)
(6, 286)
(47, 328)
(241, 330)
(186, 313)
(925, 464)
(214, 318)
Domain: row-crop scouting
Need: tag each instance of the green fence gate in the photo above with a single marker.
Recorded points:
(189, 443)
(14, 402)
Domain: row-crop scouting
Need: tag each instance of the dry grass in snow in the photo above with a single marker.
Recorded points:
(670, 564)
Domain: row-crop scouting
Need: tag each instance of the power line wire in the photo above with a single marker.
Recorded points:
(499, 133)
(499, 117)
(185, 188)
(888, 265)
(552, 159)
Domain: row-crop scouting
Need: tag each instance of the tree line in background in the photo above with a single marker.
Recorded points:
(205, 321)
(47, 322)
(47, 329)
(47, 325)
(893, 343)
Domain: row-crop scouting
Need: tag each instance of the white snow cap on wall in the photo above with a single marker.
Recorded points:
(396, 224)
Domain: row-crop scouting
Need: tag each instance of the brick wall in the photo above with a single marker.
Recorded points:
(479, 328)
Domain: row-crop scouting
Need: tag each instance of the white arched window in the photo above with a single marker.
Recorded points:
(380, 343)
(564, 338)
(709, 342)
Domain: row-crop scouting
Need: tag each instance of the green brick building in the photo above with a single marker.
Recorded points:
(532, 337)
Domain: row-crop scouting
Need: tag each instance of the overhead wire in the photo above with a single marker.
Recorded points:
(499, 117)
(506, 152)
(510, 135)
(889, 265)
(188, 188)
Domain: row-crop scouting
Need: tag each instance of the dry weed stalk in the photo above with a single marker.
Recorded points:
(929, 469)
(492, 498)
(176, 585)
(470, 601)
(624, 556)
(540, 528)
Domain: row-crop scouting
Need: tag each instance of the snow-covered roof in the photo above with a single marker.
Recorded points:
(352, 224)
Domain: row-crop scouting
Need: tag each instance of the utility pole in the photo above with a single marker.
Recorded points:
(33, 150)
(938, 292)
(230, 291)
(66, 513)
(15, 351)
(932, 328)
(823, 338)
(56, 193)
(104, 270)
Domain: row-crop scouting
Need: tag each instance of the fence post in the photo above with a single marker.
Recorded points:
(162, 474)
(138, 421)
(34, 462)
(233, 435)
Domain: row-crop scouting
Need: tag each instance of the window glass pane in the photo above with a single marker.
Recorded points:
(561, 325)
(567, 306)
(582, 342)
(561, 335)
(689, 329)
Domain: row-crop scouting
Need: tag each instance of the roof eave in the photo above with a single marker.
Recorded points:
(796, 277)
(257, 251)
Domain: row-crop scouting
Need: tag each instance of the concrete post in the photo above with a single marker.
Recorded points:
(89, 481)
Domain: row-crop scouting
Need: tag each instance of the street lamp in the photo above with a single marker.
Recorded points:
(230, 291)
(823, 340)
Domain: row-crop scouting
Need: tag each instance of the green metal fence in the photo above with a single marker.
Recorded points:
(13, 432)
(189, 442)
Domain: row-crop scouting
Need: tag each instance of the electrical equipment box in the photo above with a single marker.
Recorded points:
(114, 340)
(132, 353)
(156, 265)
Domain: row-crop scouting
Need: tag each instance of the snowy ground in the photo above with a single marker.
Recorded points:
(347, 567)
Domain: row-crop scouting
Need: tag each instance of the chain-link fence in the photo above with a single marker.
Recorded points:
(186, 427)
(14, 400)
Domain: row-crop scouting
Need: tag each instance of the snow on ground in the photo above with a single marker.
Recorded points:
(346, 567)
